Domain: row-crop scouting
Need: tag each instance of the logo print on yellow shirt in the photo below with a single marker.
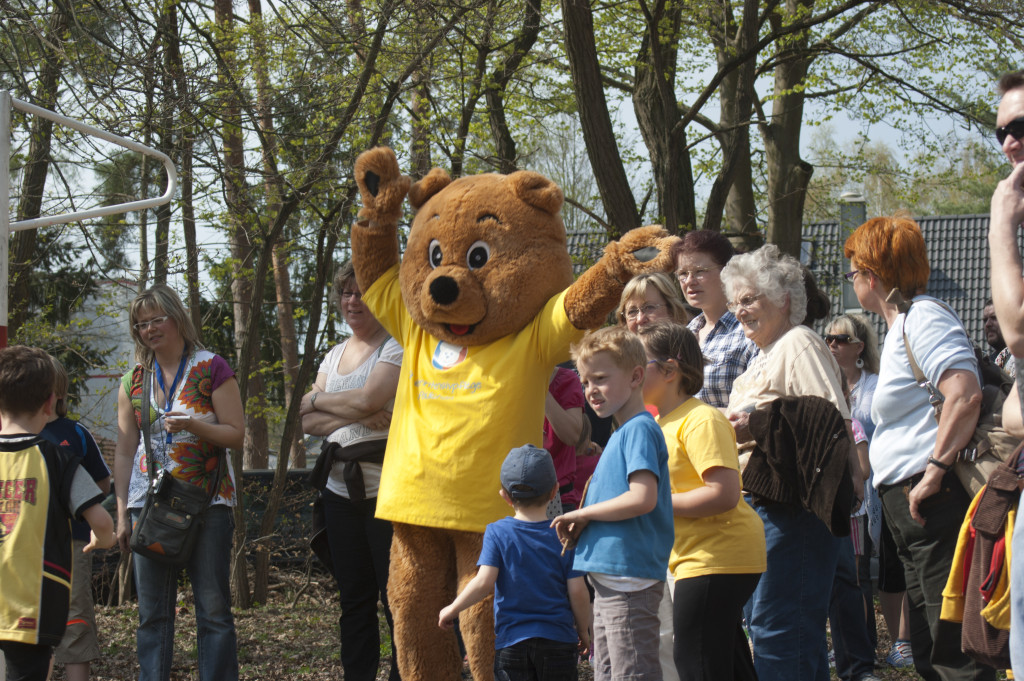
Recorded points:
(12, 494)
(447, 355)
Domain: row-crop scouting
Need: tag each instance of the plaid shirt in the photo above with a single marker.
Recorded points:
(728, 353)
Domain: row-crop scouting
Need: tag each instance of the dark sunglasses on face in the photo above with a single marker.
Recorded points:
(842, 338)
(1014, 129)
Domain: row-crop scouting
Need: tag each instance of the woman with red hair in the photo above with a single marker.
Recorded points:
(912, 452)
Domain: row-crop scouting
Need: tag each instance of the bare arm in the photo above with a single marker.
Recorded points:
(102, 528)
(640, 498)
(124, 458)
(1007, 286)
(582, 612)
(478, 589)
(1012, 421)
(720, 493)
(376, 393)
(956, 424)
(566, 423)
(229, 431)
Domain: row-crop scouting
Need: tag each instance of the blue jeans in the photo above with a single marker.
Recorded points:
(360, 550)
(789, 607)
(536, 659)
(157, 586)
(855, 655)
(1017, 598)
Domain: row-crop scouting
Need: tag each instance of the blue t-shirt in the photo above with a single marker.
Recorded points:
(531, 599)
(638, 546)
(65, 432)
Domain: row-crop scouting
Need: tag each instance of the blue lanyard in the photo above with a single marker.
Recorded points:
(169, 396)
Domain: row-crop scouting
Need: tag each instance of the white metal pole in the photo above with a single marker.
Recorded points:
(5, 208)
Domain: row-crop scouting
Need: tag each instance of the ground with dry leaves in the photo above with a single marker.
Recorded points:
(294, 636)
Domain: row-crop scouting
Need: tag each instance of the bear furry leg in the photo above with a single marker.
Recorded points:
(427, 564)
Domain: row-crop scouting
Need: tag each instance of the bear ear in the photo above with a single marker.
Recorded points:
(536, 190)
(435, 181)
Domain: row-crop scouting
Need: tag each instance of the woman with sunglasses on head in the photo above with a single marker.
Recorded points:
(913, 449)
(194, 414)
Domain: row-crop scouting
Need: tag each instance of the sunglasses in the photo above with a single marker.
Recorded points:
(842, 338)
(1014, 129)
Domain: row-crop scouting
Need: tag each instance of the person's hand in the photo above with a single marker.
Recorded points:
(176, 421)
(1008, 200)
(306, 404)
(446, 618)
(741, 424)
(586, 643)
(568, 526)
(858, 490)
(929, 485)
(380, 420)
(123, 533)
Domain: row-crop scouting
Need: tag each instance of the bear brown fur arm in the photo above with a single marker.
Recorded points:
(596, 293)
(375, 236)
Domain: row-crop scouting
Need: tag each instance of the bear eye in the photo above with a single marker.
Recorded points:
(434, 254)
(478, 254)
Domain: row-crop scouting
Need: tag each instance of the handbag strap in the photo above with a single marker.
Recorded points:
(147, 388)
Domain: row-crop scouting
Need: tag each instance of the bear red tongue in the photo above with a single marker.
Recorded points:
(459, 329)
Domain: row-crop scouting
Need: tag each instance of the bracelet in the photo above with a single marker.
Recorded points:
(312, 400)
(935, 462)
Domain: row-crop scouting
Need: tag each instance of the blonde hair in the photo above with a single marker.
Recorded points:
(638, 286)
(860, 328)
(160, 297)
(623, 345)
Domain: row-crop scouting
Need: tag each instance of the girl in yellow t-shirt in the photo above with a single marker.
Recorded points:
(719, 550)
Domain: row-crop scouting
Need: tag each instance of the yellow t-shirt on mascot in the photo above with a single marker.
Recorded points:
(458, 412)
(700, 437)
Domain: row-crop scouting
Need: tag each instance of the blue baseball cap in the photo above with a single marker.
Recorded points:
(528, 472)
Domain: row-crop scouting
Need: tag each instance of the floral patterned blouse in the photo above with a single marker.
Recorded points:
(186, 457)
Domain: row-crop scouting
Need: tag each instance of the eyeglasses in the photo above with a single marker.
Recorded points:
(841, 338)
(142, 326)
(1014, 129)
(699, 274)
(348, 295)
(853, 273)
(744, 303)
(648, 310)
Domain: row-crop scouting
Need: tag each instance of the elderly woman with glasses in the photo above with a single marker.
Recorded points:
(648, 298)
(789, 411)
(699, 257)
(912, 452)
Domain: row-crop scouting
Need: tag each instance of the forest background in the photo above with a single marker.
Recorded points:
(747, 116)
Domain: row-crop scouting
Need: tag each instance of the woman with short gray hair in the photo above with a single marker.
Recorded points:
(788, 610)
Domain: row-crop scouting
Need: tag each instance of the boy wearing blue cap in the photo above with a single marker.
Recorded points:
(537, 594)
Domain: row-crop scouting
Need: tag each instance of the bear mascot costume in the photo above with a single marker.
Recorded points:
(484, 304)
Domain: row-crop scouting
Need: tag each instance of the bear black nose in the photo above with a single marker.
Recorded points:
(444, 290)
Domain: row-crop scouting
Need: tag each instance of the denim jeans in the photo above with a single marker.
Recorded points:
(1017, 598)
(789, 607)
(626, 636)
(209, 573)
(536, 659)
(927, 555)
(851, 639)
(360, 550)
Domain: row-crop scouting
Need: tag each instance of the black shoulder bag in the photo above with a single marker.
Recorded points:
(172, 515)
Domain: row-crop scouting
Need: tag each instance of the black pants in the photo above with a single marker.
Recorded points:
(707, 615)
(536, 659)
(26, 661)
(927, 555)
(360, 549)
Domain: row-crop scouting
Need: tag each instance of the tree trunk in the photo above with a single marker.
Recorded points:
(657, 113)
(788, 174)
(37, 166)
(598, 133)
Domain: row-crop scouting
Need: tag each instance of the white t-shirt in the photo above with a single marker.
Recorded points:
(905, 425)
(390, 353)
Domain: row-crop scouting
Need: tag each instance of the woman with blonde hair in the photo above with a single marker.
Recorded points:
(648, 298)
